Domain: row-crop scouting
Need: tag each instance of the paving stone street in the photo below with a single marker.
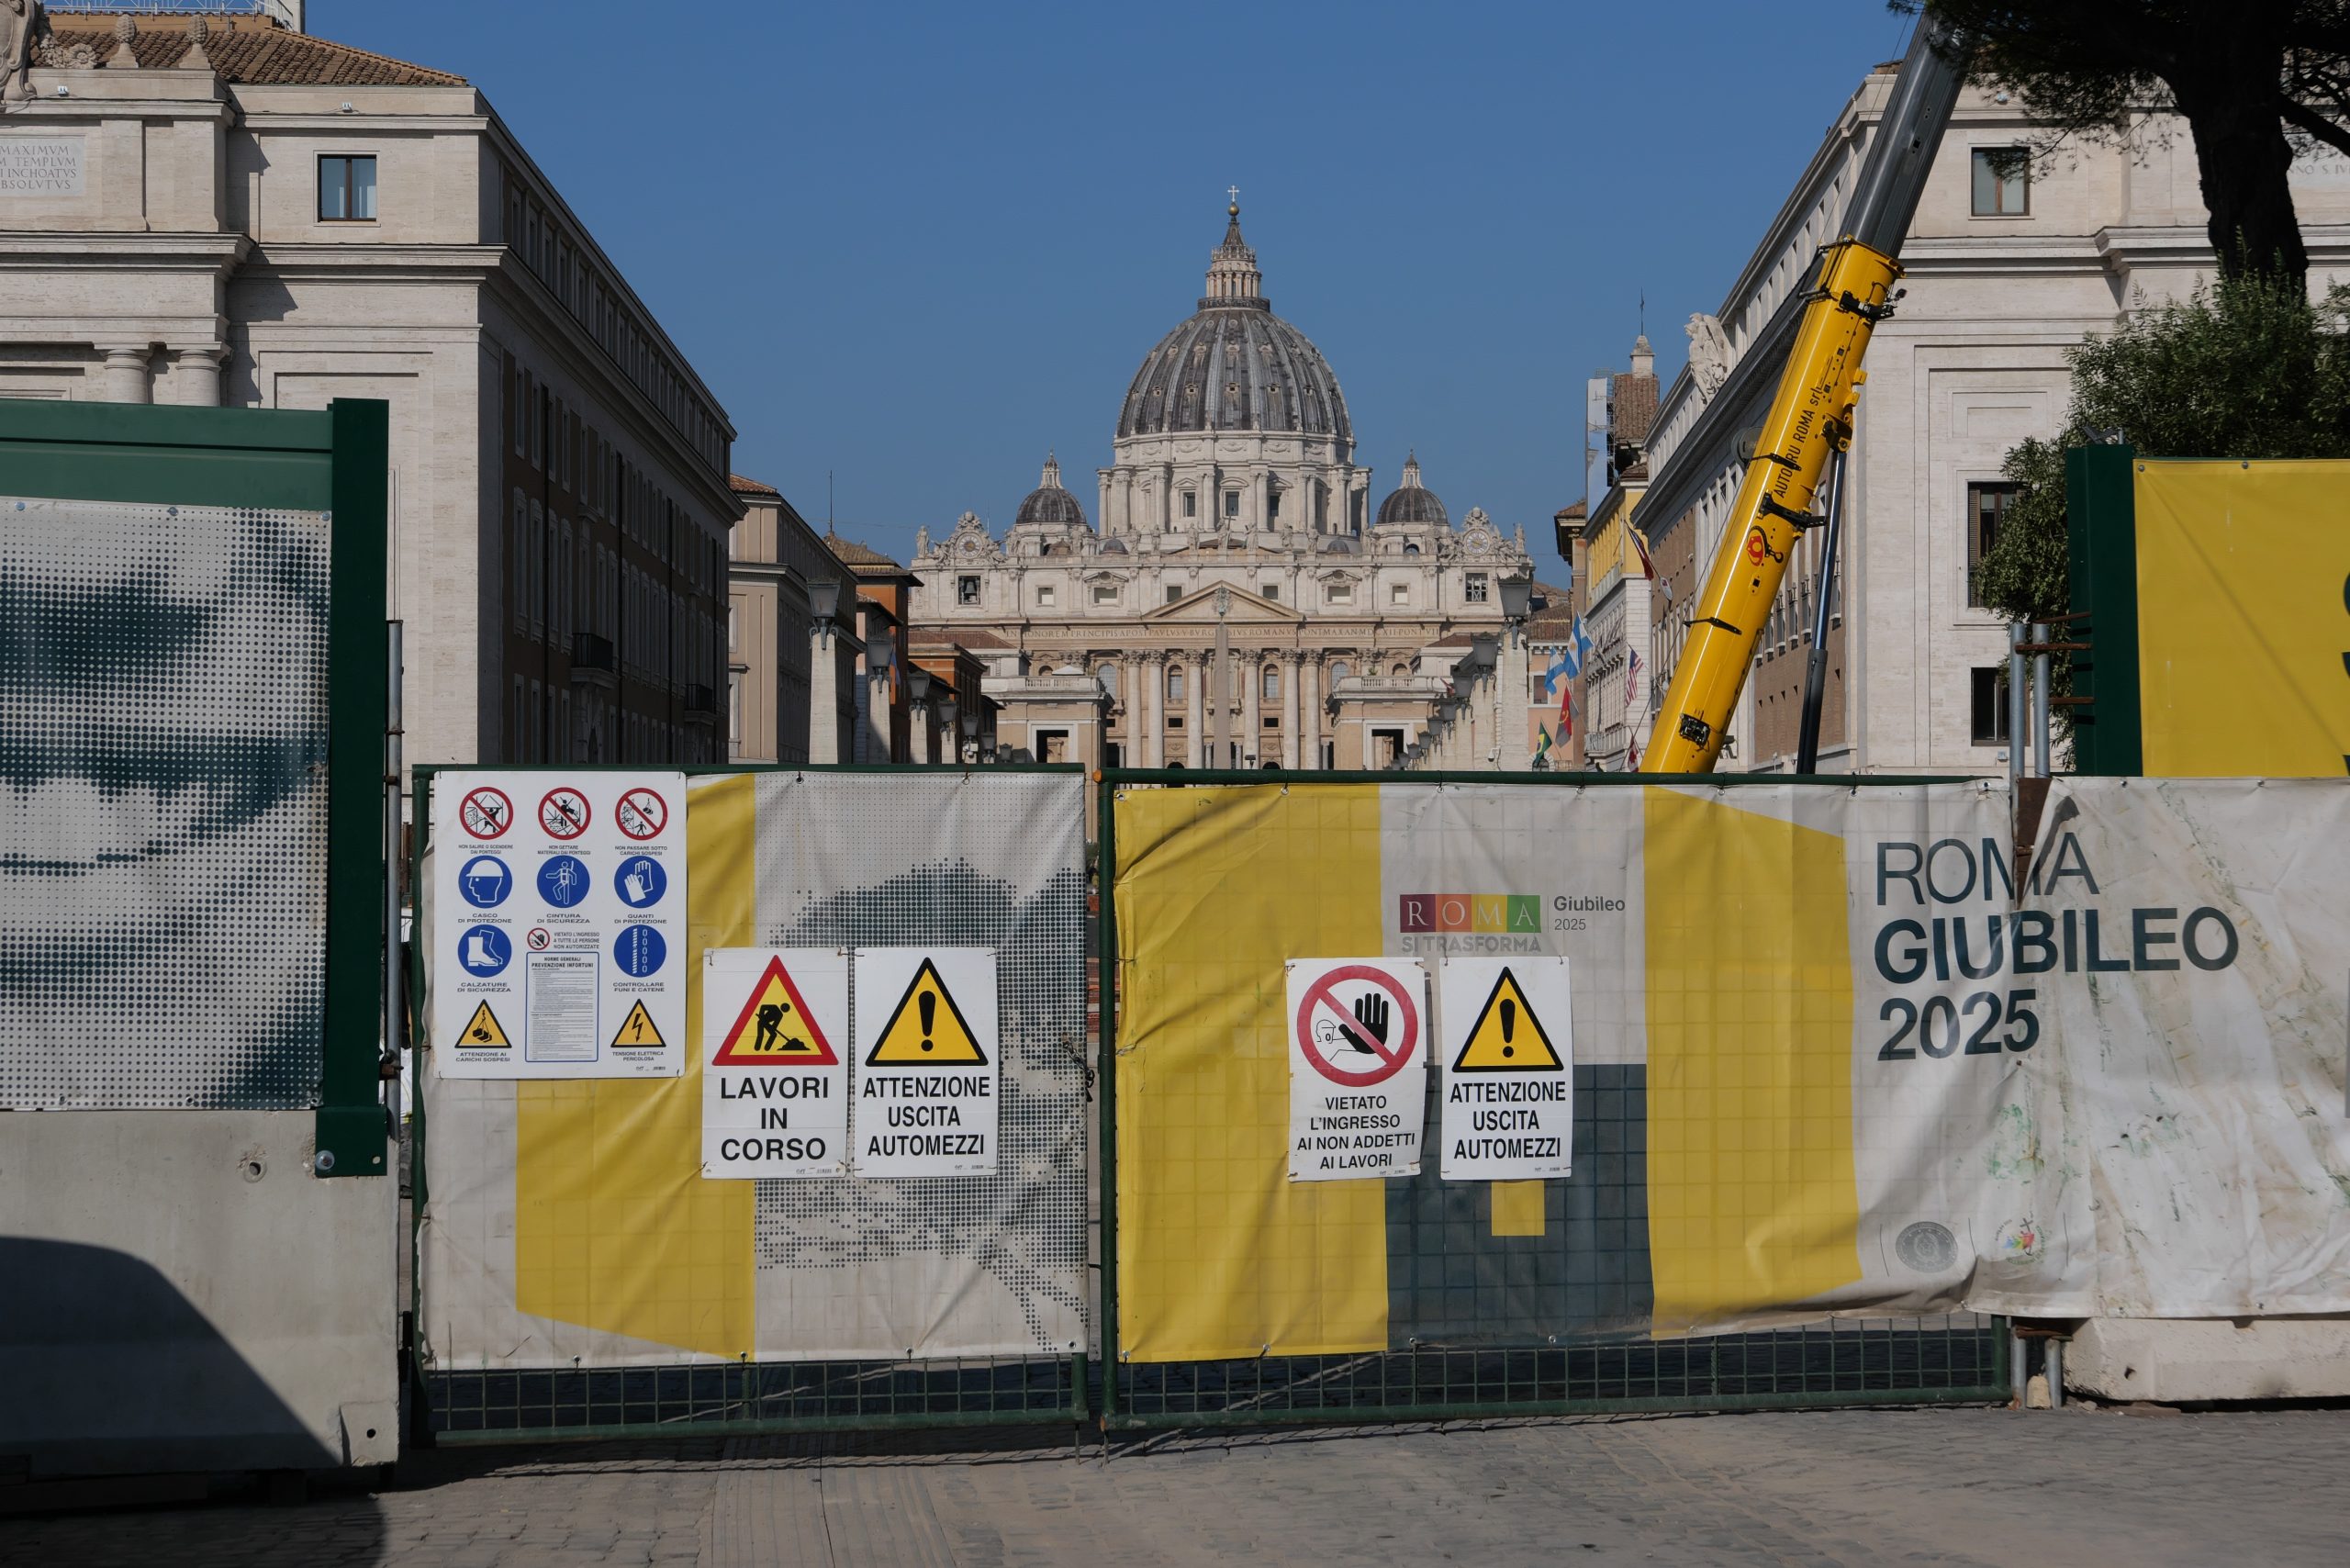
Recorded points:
(2079, 1486)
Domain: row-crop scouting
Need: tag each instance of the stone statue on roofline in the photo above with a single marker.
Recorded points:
(1708, 353)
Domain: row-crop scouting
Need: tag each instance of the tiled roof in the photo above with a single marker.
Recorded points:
(746, 486)
(1634, 413)
(1572, 509)
(865, 561)
(254, 56)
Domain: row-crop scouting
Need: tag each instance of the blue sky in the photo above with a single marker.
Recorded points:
(917, 245)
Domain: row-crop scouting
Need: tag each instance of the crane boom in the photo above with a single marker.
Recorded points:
(1809, 417)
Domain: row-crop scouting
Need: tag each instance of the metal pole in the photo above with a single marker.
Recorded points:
(2017, 722)
(394, 992)
(2054, 1353)
(2018, 1381)
(1105, 971)
(2040, 737)
(1814, 675)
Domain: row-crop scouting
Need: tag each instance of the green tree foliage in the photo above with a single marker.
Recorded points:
(2247, 368)
(2252, 78)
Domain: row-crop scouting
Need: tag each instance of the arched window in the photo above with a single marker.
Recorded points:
(1273, 683)
(1175, 682)
(1338, 672)
(1401, 672)
(1108, 676)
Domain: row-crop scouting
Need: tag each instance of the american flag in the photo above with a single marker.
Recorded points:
(1632, 677)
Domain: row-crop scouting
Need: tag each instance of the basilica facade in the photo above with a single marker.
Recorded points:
(1242, 603)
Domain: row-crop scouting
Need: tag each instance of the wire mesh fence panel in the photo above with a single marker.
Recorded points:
(1955, 1358)
(754, 1396)
(1757, 1212)
(584, 1267)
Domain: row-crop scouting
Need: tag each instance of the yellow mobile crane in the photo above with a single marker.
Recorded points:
(1803, 435)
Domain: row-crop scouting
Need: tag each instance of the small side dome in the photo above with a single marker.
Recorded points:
(1337, 545)
(1049, 503)
(1411, 503)
(1113, 546)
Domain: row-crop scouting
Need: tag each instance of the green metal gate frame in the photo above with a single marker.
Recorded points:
(692, 1399)
(1584, 1375)
(334, 462)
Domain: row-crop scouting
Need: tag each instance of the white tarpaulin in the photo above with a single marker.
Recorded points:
(2186, 1149)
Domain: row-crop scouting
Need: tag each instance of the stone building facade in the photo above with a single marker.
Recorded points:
(779, 697)
(209, 209)
(2007, 267)
(1242, 605)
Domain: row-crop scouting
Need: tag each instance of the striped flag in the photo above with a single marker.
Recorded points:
(1556, 673)
(1631, 756)
(1632, 677)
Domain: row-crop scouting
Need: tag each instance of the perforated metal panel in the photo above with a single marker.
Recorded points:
(162, 805)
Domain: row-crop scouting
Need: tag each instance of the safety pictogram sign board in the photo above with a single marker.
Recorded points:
(1504, 1038)
(482, 1031)
(1358, 1067)
(551, 911)
(927, 1061)
(775, 1089)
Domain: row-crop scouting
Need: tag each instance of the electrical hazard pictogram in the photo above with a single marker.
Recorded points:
(1508, 1036)
(638, 1029)
(775, 1027)
(927, 1030)
(482, 1031)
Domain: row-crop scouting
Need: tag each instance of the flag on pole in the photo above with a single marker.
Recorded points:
(1632, 677)
(1578, 647)
(1640, 544)
(1631, 756)
(1567, 713)
(1556, 673)
(1543, 741)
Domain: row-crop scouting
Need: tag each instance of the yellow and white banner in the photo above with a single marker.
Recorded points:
(1792, 1070)
(574, 1223)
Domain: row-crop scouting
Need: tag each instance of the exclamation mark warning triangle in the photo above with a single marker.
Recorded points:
(483, 1032)
(638, 1029)
(927, 1029)
(1508, 1038)
(775, 1027)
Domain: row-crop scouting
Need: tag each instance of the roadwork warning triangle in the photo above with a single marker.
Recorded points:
(483, 1032)
(1508, 1038)
(638, 1028)
(927, 1029)
(775, 1027)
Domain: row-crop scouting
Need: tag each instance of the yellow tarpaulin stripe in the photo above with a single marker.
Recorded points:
(1752, 1197)
(614, 1228)
(1220, 1254)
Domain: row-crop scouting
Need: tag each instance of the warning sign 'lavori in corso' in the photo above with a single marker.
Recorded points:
(1358, 1067)
(775, 1062)
(558, 924)
(927, 1061)
(1508, 1069)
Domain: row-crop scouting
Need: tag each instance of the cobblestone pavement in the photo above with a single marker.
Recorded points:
(2079, 1486)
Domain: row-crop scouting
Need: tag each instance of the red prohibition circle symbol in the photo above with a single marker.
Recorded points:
(563, 813)
(486, 812)
(1392, 1054)
(541, 939)
(642, 814)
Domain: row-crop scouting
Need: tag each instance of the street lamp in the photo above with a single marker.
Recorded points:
(1517, 598)
(824, 603)
(971, 734)
(918, 693)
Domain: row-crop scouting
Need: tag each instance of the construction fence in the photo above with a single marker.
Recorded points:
(1407, 1099)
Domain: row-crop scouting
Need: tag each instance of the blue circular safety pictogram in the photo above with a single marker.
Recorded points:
(639, 950)
(641, 881)
(483, 881)
(485, 951)
(564, 881)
